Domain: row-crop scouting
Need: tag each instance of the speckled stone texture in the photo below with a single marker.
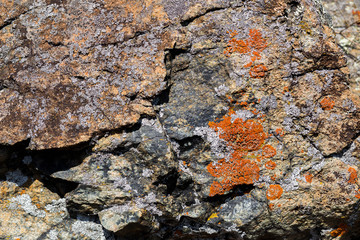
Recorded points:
(174, 119)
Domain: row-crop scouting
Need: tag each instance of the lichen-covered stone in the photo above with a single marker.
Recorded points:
(180, 119)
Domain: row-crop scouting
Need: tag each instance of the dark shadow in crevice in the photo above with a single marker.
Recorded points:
(134, 231)
(186, 22)
(14, 154)
(172, 53)
(170, 180)
(16, 157)
(59, 186)
(162, 98)
(293, 5)
(189, 143)
(342, 152)
(55, 160)
(236, 191)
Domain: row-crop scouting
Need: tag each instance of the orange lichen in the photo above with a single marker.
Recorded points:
(357, 14)
(279, 132)
(340, 230)
(357, 194)
(234, 172)
(353, 175)
(271, 206)
(270, 165)
(236, 45)
(245, 138)
(256, 41)
(252, 46)
(258, 71)
(274, 192)
(327, 103)
(248, 65)
(268, 151)
(308, 177)
(241, 135)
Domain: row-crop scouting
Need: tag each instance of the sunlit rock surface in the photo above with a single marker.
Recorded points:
(176, 119)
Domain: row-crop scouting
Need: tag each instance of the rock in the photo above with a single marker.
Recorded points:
(29, 212)
(65, 84)
(345, 23)
(179, 119)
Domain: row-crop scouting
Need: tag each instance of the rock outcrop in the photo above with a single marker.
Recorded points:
(175, 119)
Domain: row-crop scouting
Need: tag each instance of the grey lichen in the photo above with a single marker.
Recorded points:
(24, 201)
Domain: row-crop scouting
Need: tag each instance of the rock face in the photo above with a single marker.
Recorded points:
(175, 119)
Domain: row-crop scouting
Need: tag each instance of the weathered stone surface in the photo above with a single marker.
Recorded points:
(30, 212)
(76, 69)
(345, 23)
(180, 119)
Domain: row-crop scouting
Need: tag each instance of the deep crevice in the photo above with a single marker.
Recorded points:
(8, 22)
(342, 152)
(20, 157)
(54, 160)
(59, 186)
(163, 97)
(11, 20)
(170, 55)
(238, 190)
(55, 44)
(186, 22)
(170, 180)
(189, 143)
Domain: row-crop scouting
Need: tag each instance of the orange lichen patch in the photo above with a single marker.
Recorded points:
(268, 151)
(256, 41)
(234, 172)
(236, 45)
(353, 175)
(357, 14)
(241, 135)
(357, 194)
(248, 65)
(274, 192)
(271, 206)
(270, 165)
(243, 104)
(273, 177)
(279, 132)
(340, 230)
(245, 138)
(327, 103)
(258, 71)
(253, 46)
(308, 177)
